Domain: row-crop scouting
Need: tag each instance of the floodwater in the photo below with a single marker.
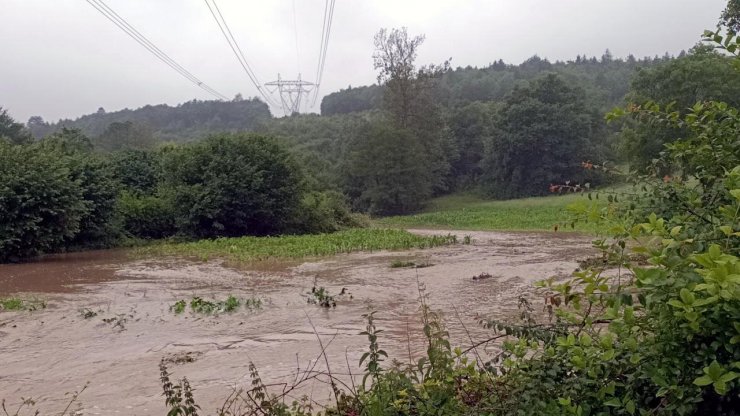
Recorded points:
(48, 352)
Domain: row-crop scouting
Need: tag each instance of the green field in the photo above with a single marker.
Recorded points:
(248, 249)
(469, 212)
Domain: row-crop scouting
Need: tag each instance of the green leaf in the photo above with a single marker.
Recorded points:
(687, 297)
(703, 381)
(613, 402)
(630, 406)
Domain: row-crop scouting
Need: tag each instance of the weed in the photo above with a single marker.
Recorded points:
(467, 240)
(88, 313)
(20, 304)
(119, 321)
(320, 296)
(403, 264)
(27, 405)
(178, 307)
(207, 307)
(482, 276)
(182, 357)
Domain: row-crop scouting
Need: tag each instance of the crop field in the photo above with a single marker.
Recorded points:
(248, 249)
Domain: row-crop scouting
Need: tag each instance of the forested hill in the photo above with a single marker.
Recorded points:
(606, 81)
(183, 122)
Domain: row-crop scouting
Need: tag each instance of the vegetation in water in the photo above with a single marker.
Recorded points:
(396, 264)
(247, 249)
(321, 296)
(21, 304)
(209, 307)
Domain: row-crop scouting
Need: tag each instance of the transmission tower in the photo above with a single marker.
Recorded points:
(291, 92)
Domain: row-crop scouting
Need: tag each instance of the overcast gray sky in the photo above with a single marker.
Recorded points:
(61, 58)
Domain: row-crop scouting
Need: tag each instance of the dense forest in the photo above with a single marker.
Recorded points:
(185, 122)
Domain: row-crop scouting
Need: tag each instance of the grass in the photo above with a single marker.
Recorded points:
(20, 304)
(469, 212)
(249, 249)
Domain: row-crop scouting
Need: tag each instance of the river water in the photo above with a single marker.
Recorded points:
(48, 352)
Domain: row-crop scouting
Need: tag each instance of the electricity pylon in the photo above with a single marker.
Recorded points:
(291, 92)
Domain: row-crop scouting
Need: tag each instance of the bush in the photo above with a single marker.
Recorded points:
(99, 189)
(41, 205)
(325, 212)
(138, 171)
(233, 185)
(146, 216)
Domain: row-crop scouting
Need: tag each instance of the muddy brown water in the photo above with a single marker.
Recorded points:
(45, 353)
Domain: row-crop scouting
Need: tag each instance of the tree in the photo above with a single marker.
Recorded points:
(12, 131)
(730, 18)
(410, 102)
(543, 134)
(233, 185)
(41, 206)
(125, 135)
(394, 58)
(702, 75)
(99, 189)
(387, 172)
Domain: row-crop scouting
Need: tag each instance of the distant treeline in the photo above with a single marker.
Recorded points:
(605, 79)
(185, 122)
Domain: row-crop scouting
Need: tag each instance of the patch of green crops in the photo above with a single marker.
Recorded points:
(247, 249)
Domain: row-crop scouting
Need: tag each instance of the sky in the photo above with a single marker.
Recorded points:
(63, 59)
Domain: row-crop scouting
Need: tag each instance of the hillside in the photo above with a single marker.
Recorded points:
(605, 79)
(180, 123)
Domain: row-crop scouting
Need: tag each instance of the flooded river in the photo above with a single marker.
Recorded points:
(48, 352)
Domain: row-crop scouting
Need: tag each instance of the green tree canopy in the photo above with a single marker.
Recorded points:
(233, 185)
(543, 134)
(12, 131)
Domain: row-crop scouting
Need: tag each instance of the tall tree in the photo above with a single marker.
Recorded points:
(125, 135)
(543, 134)
(12, 131)
(730, 18)
(701, 75)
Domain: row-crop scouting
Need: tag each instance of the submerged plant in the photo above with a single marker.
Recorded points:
(20, 304)
(207, 307)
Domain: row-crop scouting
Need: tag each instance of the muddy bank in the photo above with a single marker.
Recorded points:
(47, 353)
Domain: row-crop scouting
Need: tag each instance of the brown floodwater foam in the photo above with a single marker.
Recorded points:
(45, 353)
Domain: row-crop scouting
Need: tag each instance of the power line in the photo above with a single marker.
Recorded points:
(325, 33)
(295, 32)
(122, 24)
(236, 49)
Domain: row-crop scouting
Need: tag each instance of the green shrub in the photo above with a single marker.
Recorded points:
(146, 216)
(325, 212)
(138, 171)
(41, 205)
(99, 189)
(233, 185)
